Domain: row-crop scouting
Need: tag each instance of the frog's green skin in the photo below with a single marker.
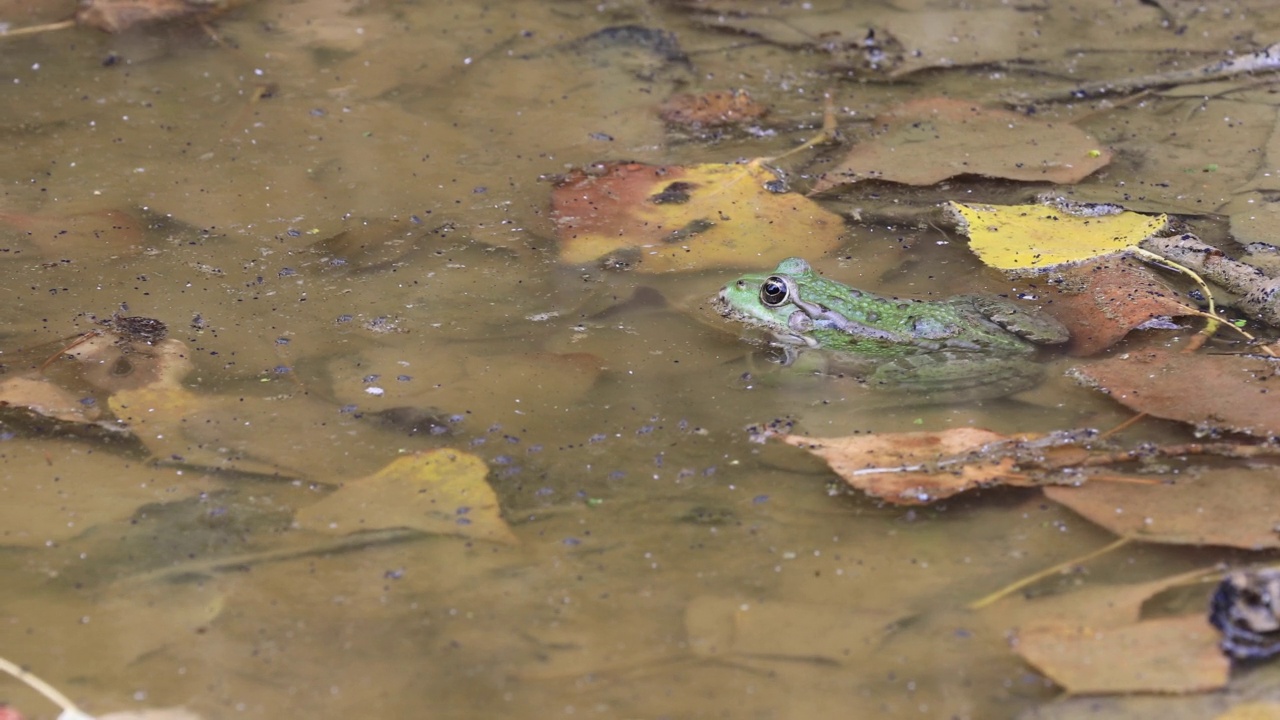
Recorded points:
(965, 346)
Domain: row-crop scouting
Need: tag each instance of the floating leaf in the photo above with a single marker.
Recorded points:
(1101, 301)
(919, 467)
(1229, 506)
(1038, 237)
(926, 141)
(439, 491)
(1224, 392)
(1169, 655)
(668, 218)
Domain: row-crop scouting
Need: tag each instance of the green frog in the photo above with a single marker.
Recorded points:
(964, 347)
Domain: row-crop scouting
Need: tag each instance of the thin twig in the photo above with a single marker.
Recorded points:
(42, 687)
(1030, 579)
(35, 29)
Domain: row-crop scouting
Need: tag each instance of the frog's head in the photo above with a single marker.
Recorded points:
(766, 300)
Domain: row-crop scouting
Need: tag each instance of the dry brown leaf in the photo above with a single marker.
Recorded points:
(1222, 392)
(1101, 301)
(1168, 655)
(929, 140)
(1231, 506)
(920, 467)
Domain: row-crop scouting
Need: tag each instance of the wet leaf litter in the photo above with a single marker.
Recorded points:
(159, 409)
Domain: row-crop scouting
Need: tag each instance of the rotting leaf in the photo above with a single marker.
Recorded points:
(712, 109)
(1092, 604)
(926, 141)
(85, 236)
(51, 491)
(1266, 710)
(1221, 392)
(41, 396)
(1165, 655)
(1234, 507)
(439, 491)
(671, 218)
(1039, 237)
(111, 364)
(921, 467)
(1102, 301)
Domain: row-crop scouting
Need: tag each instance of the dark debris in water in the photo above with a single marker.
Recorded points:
(1246, 609)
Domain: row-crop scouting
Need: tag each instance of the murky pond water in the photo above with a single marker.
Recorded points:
(342, 210)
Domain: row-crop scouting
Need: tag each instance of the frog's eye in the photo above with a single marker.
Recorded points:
(773, 291)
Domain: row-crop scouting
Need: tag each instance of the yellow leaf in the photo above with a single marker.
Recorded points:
(1039, 237)
(668, 218)
(439, 491)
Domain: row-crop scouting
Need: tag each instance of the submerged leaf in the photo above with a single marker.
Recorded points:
(1224, 392)
(41, 396)
(1232, 507)
(713, 109)
(1038, 237)
(1170, 655)
(668, 218)
(51, 491)
(115, 16)
(439, 491)
(926, 141)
